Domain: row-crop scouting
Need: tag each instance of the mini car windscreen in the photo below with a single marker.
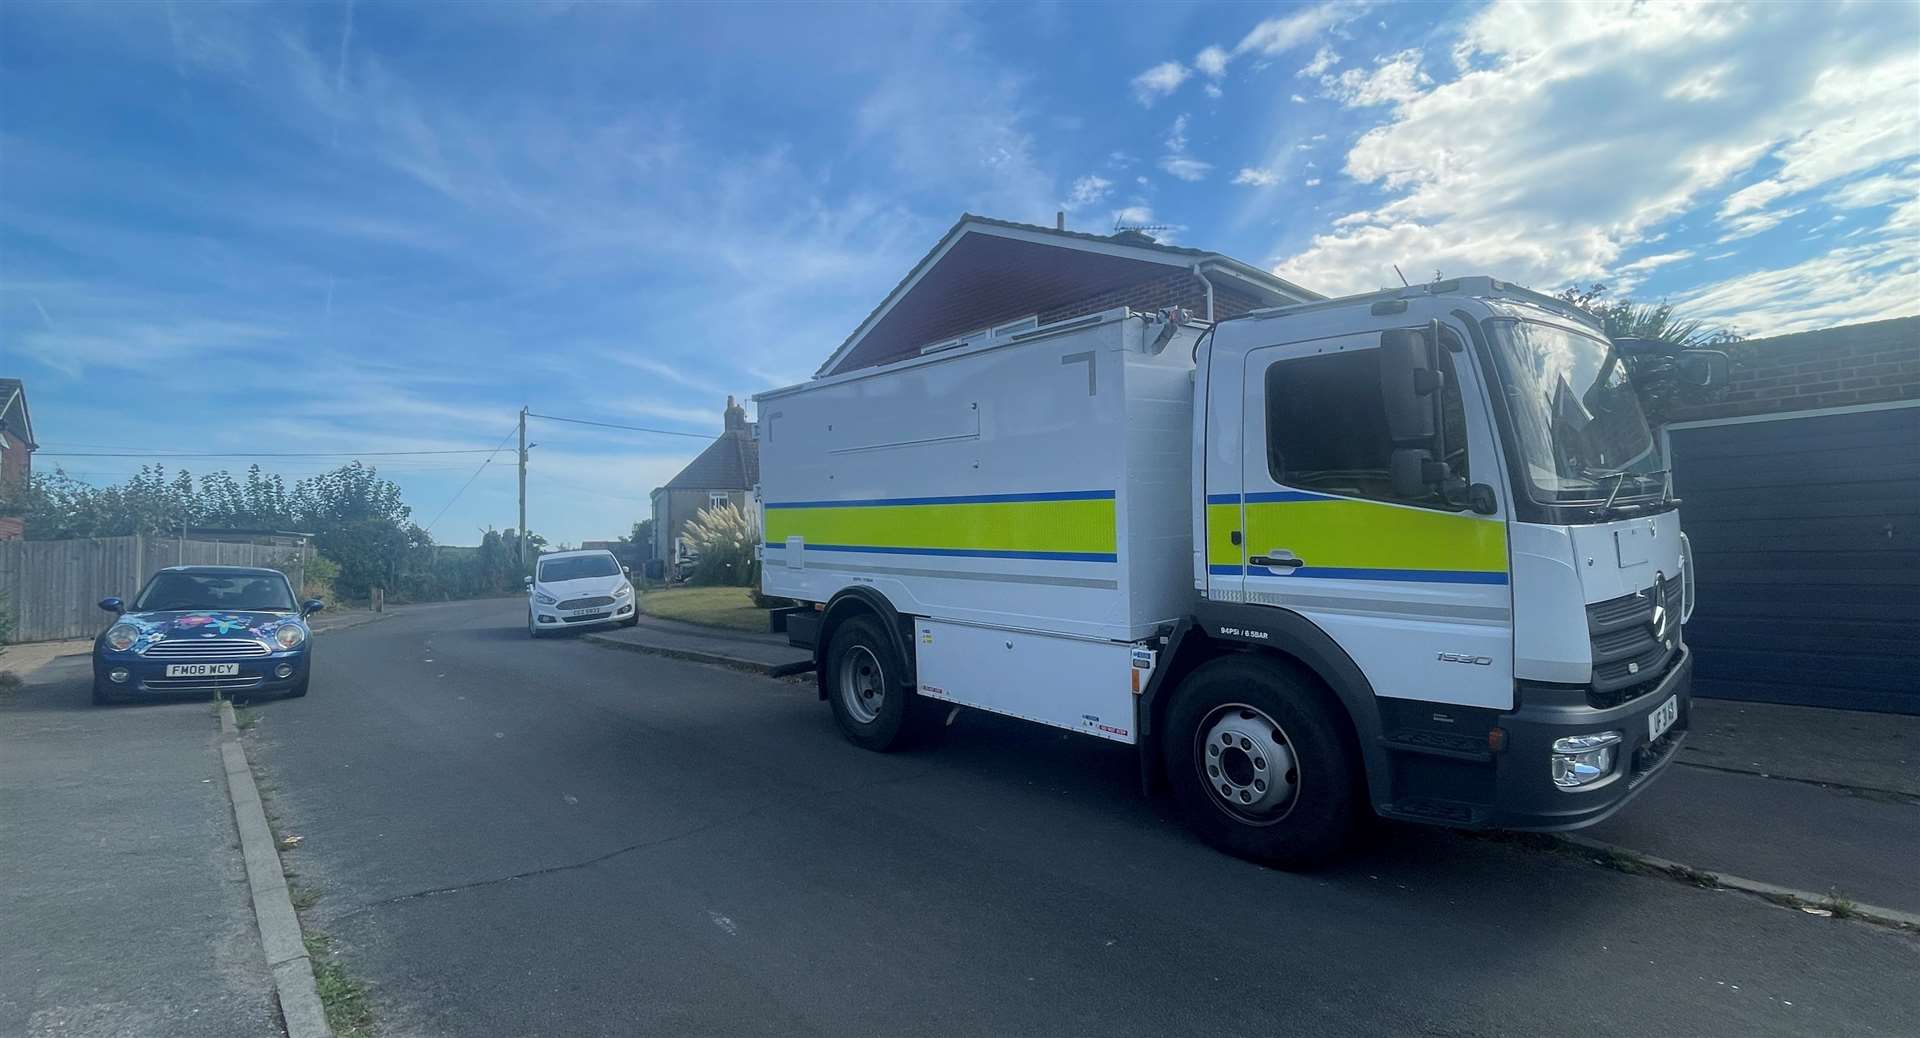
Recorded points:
(553, 571)
(229, 592)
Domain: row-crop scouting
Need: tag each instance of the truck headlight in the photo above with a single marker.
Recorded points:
(1580, 760)
(543, 598)
(290, 636)
(120, 637)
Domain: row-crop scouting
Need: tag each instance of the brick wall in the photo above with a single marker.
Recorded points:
(1833, 367)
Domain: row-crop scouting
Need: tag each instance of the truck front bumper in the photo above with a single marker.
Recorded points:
(1525, 796)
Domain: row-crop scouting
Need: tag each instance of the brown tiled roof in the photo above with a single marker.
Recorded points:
(730, 462)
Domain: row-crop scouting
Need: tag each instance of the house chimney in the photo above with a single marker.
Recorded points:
(1060, 219)
(734, 419)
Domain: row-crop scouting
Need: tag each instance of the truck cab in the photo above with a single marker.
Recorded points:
(1455, 487)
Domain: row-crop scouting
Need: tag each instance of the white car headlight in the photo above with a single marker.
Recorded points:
(543, 598)
(120, 637)
(623, 591)
(290, 636)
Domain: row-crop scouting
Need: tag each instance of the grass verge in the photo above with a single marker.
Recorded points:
(345, 1001)
(728, 607)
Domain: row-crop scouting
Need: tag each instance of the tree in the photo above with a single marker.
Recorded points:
(642, 534)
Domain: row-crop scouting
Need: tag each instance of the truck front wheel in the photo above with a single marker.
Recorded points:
(1260, 763)
(867, 685)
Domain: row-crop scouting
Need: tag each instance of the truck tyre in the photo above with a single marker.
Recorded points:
(1261, 765)
(867, 685)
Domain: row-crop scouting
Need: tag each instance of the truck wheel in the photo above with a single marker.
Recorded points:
(867, 685)
(1260, 764)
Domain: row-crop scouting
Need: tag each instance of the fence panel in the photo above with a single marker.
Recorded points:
(53, 587)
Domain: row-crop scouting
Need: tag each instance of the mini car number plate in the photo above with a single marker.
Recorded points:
(202, 670)
(1663, 717)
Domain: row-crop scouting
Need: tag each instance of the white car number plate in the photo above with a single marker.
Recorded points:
(202, 670)
(1663, 717)
(587, 612)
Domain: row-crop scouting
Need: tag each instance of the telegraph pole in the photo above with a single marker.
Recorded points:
(523, 490)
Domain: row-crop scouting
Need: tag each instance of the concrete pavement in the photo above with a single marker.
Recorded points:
(765, 654)
(516, 837)
(123, 898)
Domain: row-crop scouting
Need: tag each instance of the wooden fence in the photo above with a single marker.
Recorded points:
(53, 588)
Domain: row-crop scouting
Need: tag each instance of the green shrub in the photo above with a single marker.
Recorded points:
(318, 582)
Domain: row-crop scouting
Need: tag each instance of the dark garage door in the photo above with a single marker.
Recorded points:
(1806, 538)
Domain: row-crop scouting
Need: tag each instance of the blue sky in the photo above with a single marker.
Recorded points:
(386, 227)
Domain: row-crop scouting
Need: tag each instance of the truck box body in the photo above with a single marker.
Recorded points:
(1040, 484)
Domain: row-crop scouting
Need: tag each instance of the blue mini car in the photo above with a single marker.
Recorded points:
(205, 629)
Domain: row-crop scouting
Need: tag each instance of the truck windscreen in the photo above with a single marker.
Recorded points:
(1580, 431)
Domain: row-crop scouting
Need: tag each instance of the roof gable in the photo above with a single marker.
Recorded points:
(730, 462)
(987, 272)
(14, 417)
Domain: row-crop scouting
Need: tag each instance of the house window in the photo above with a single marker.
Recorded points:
(715, 500)
(1327, 426)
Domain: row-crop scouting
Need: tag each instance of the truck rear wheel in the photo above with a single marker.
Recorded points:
(1260, 764)
(867, 685)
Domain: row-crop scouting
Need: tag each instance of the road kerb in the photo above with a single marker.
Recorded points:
(300, 1005)
(1797, 898)
(771, 670)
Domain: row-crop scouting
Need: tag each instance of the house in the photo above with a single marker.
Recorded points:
(726, 471)
(990, 277)
(16, 449)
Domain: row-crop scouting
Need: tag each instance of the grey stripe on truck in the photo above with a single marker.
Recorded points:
(1002, 578)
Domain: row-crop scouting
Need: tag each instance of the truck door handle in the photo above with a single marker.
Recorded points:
(1278, 560)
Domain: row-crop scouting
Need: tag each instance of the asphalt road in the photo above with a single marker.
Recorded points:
(554, 838)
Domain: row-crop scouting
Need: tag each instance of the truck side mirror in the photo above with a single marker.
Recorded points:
(1414, 473)
(1408, 383)
(1702, 368)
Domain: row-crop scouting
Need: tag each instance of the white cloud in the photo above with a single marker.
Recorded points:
(1279, 35)
(1313, 182)
(1253, 177)
(1394, 79)
(1323, 59)
(1553, 150)
(1133, 214)
(1212, 61)
(1851, 283)
(1177, 135)
(1297, 99)
(1087, 190)
(1159, 81)
(1213, 90)
(1185, 167)
(1646, 263)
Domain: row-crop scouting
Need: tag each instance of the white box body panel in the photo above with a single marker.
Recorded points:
(1081, 684)
(1042, 484)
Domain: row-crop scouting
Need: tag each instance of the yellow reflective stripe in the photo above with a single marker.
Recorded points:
(1076, 527)
(1222, 520)
(1336, 533)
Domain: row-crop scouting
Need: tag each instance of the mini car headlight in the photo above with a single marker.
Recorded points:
(543, 598)
(120, 637)
(623, 591)
(291, 635)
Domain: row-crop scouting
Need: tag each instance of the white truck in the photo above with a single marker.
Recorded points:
(1413, 551)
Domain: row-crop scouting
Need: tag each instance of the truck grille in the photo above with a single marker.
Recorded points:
(202, 649)
(586, 603)
(1628, 657)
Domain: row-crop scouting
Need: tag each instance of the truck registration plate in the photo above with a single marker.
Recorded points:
(202, 670)
(1663, 717)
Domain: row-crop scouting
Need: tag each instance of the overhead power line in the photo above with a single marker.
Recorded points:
(476, 475)
(627, 428)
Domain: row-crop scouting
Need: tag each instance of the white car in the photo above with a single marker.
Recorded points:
(575, 589)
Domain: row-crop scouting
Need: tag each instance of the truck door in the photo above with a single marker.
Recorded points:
(1415, 589)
